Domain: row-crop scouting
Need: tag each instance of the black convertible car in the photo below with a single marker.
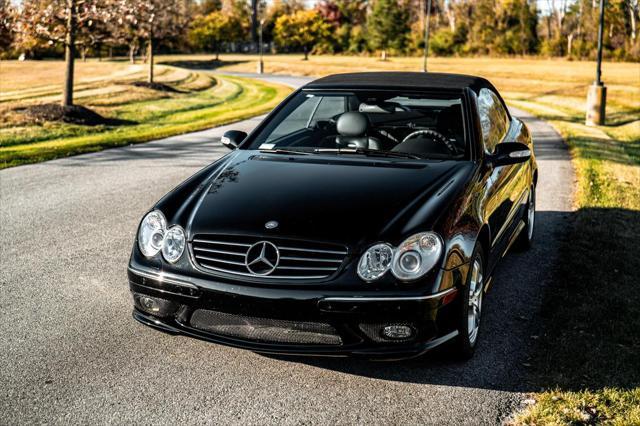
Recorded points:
(364, 216)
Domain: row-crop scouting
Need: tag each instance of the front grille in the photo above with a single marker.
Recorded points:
(297, 259)
(265, 330)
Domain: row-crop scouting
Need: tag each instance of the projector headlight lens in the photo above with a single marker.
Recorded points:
(174, 242)
(151, 233)
(375, 262)
(416, 256)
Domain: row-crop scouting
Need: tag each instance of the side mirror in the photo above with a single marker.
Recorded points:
(510, 153)
(232, 138)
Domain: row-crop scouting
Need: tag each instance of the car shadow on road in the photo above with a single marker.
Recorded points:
(201, 65)
(511, 325)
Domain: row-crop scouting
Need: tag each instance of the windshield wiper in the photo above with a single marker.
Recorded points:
(369, 152)
(286, 151)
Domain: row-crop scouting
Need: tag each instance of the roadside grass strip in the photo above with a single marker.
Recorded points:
(151, 116)
(587, 361)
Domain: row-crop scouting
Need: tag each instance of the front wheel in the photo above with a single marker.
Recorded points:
(471, 309)
(525, 239)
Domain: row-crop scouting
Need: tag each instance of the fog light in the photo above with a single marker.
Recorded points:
(149, 305)
(397, 332)
(154, 305)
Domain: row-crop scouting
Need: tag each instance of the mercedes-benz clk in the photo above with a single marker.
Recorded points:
(364, 216)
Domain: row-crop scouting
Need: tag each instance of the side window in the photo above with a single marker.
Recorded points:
(493, 119)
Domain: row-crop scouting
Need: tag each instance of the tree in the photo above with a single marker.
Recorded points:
(210, 31)
(276, 9)
(155, 20)
(7, 20)
(301, 30)
(388, 26)
(61, 21)
(124, 28)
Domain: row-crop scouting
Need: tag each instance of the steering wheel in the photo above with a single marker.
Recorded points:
(439, 137)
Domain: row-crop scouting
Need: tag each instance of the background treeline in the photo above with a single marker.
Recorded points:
(565, 28)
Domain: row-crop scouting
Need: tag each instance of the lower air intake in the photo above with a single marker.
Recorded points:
(265, 330)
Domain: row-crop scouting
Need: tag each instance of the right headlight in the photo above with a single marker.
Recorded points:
(416, 256)
(375, 262)
(151, 233)
(174, 242)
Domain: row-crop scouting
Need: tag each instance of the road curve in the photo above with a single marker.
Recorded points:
(71, 353)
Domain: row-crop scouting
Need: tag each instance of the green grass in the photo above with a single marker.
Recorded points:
(607, 406)
(588, 357)
(156, 116)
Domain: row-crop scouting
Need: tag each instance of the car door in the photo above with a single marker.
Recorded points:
(495, 123)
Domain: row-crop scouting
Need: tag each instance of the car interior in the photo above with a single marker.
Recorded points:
(429, 127)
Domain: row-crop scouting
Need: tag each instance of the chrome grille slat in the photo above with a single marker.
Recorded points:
(343, 253)
(226, 253)
(310, 259)
(219, 251)
(229, 262)
(221, 243)
(303, 268)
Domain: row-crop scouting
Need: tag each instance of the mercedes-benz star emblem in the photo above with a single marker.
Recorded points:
(262, 258)
(272, 224)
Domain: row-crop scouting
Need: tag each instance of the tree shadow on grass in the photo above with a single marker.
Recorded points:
(74, 114)
(201, 65)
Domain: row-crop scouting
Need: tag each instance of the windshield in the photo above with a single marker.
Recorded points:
(381, 123)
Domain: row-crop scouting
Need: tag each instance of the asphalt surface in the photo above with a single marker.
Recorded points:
(71, 353)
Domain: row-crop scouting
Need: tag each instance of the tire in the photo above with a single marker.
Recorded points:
(524, 241)
(472, 298)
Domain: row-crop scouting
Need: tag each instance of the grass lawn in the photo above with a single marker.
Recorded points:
(201, 101)
(588, 359)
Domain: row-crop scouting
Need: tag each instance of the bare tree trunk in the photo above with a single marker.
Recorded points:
(569, 43)
(306, 53)
(217, 50)
(632, 14)
(132, 53)
(451, 15)
(69, 54)
(83, 53)
(110, 52)
(150, 58)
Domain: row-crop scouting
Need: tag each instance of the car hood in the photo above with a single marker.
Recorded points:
(343, 200)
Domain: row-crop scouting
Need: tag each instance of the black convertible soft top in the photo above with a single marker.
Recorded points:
(399, 80)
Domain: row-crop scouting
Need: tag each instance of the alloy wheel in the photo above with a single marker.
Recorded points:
(531, 213)
(475, 301)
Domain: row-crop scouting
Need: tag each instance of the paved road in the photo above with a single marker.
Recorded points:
(71, 353)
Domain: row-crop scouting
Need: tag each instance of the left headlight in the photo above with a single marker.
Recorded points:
(151, 233)
(153, 237)
(416, 256)
(174, 242)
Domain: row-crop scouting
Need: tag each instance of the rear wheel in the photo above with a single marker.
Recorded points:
(471, 309)
(525, 239)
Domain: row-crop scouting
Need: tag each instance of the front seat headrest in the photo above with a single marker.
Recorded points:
(352, 124)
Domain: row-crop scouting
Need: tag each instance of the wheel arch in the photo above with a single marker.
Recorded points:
(484, 238)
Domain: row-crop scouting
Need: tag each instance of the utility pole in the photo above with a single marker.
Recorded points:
(260, 48)
(254, 22)
(426, 34)
(597, 95)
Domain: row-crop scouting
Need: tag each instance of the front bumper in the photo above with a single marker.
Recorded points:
(354, 318)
